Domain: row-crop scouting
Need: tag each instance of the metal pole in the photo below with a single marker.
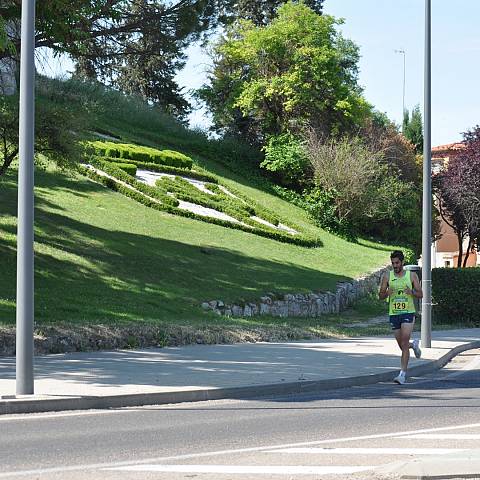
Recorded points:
(426, 334)
(404, 70)
(404, 78)
(25, 311)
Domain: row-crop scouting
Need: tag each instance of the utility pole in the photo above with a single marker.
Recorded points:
(402, 52)
(426, 334)
(25, 310)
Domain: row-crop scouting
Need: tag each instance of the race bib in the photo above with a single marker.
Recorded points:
(400, 302)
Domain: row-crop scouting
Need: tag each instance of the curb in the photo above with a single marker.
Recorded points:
(37, 405)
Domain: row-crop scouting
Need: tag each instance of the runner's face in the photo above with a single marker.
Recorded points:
(397, 265)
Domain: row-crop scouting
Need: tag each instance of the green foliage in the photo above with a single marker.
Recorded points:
(129, 168)
(357, 193)
(262, 13)
(454, 295)
(219, 201)
(296, 70)
(57, 119)
(141, 154)
(183, 172)
(322, 207)
(117, 173)
(301, 240)
(413, 128)
(285, 156)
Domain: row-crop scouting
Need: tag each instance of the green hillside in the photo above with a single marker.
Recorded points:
(102, 257)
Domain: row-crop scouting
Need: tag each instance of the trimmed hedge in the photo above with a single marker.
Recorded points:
(114, 171)
(455, 295)
(156, 167)
(140, 153)
(221, 202)
(301, 240)
(129, 168)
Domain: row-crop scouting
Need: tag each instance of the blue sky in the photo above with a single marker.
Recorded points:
(379, 27)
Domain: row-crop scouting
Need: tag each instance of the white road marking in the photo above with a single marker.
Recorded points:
(444, 436)
(370, 451)
(256, 469)
(42, 416)
(234, 451)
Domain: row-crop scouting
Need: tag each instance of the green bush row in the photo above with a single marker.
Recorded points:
(155, 167)
(143, 154)
(156, 193)
(222, 202)
(299, 240)
(239, 208)
(260, 211)
(129, 168)
(455, 295)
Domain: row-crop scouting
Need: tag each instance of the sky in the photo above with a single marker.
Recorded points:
(379, 27)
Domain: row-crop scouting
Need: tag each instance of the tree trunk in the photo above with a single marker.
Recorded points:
(467, 253)
(460, 250)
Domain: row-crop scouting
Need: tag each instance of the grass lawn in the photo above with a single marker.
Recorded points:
(103, 258)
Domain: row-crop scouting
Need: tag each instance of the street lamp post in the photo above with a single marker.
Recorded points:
(402, 52)
(25, 312)
(426, 333)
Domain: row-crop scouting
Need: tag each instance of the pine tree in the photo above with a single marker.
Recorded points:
(413, 128)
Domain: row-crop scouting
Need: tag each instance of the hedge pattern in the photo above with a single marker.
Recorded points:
(156, 167)
(218, 200)
(140, 153)
(301, 240)
(114, 171)
(455, 295)
(129, 168)
(109, 157)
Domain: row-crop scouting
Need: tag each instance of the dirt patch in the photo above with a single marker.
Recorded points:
(62, 339)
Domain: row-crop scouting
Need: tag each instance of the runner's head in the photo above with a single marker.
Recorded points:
(397, 259)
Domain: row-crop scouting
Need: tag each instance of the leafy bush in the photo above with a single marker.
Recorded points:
(286, 157)
(454, 293)
(358, 193)
(322, 207)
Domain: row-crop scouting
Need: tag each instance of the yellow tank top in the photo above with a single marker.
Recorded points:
(400, 302)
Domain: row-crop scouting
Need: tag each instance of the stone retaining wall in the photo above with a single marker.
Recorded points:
(312, 304)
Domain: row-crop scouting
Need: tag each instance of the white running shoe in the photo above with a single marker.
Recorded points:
(401, 378)
(416, 348)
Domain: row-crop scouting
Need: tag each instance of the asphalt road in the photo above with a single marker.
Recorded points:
(328, 435)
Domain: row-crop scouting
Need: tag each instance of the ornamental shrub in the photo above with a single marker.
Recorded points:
(130, 168)
(455, 295)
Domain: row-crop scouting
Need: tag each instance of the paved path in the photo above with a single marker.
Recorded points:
(208, 370)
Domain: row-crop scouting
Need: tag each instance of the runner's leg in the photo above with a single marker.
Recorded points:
(404, 342)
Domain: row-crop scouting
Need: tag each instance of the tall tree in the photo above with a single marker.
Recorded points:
(297, 70)
(108, 37)
(413, 128)
(457, 190)
(261, 13)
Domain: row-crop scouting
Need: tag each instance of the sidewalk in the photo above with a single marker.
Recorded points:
(201, 372)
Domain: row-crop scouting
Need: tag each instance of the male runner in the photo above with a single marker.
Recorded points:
(400, 286)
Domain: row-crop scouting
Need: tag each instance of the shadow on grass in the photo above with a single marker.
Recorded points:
(89, 274)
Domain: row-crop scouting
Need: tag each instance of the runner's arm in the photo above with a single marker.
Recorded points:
(417, 289)
(384, 291)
